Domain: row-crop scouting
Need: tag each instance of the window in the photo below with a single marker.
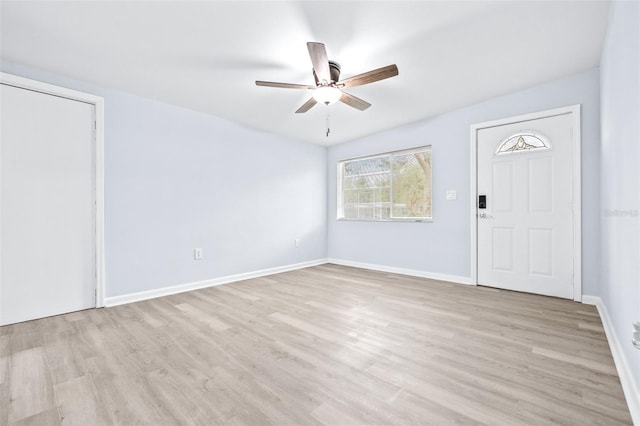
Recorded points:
(386, 187)
(523, 141)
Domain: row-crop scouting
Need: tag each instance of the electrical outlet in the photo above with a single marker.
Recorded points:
(198, 254)
(297, 242)
(451, 194)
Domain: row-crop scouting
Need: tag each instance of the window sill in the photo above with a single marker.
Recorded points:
(429, 220)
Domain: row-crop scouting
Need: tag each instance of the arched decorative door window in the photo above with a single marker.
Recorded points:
(522, 141)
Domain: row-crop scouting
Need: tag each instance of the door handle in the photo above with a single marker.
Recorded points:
(485, 216)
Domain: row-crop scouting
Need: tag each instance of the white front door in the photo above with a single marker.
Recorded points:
(525, 184)
(47, 188)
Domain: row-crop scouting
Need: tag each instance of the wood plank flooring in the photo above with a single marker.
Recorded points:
(324, 345)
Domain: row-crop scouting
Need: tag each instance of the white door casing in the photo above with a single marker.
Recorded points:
(528, 237)
(52, 201)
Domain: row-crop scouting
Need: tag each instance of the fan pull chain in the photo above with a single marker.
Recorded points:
(328, 129)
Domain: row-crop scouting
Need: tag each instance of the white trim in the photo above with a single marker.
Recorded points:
(577, 178)
(591, 300)
(98, 103)
(577, 203)
(181, 288)
(394, 270)
(473, 205)
(631, 392)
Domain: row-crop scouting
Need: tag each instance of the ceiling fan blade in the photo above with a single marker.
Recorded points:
(320, 61)
(353, 101)
(370, 77)
(283, 85)
(307, 106)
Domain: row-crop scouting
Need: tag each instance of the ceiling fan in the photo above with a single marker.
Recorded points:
(328, 88)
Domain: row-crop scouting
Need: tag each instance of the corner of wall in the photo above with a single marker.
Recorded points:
(625, 373)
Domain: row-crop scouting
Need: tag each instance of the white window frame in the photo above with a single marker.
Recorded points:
(340, 168)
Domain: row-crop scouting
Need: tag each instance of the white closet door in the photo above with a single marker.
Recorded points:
(47, 183)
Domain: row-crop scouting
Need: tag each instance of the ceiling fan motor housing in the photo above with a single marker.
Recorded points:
(334, 70)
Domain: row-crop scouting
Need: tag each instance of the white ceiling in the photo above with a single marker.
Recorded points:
(206, 55)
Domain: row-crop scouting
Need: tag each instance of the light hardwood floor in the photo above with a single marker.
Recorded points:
(324, 345)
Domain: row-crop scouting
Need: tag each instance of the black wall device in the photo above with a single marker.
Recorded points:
(482, 201)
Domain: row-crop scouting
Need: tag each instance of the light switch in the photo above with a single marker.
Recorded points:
(198, 254)
(451, 194)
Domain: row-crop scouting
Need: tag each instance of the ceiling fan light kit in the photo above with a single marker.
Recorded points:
(328, 87)
(327, 95)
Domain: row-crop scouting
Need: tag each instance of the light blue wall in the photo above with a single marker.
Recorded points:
(620, 170)
(177, 179)
(443, 246)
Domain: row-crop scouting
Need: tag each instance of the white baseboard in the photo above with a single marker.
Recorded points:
(591, 300)
(166, 291)
(631, 393)
(402, 271)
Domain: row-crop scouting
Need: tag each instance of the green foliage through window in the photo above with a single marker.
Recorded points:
(392, 186)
